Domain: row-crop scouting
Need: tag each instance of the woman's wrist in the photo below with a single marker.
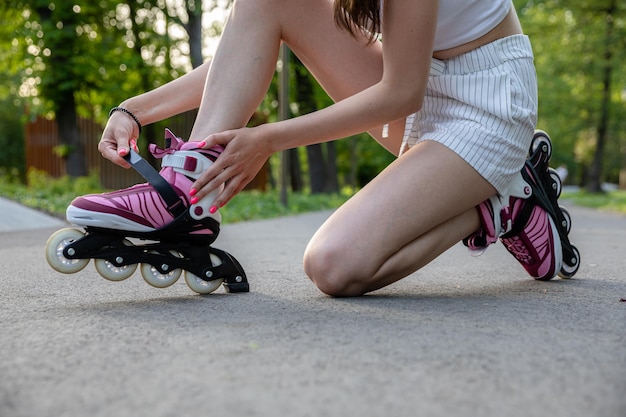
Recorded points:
(271, 137)
(127, 112)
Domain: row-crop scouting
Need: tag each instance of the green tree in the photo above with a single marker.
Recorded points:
(578, 47)
(83, 57)
(11, 122)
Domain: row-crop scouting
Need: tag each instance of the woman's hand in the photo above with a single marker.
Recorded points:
(245, 152)
(120, 133)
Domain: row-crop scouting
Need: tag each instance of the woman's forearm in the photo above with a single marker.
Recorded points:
(364, 111)
(177, 96)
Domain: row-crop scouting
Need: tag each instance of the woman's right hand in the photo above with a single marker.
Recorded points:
(120, 133)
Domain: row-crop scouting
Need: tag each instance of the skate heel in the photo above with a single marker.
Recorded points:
(547, 186)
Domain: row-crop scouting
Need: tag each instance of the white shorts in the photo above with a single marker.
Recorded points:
(483, 106)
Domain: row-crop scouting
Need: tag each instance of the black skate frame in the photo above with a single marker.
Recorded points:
(536, 173)
(174, 246)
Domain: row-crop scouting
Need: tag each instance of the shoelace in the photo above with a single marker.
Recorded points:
(158, 153)
(518, 249)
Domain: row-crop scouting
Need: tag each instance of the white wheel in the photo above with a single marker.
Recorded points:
(541, 141)
(570, 268)
(155, 278)
(201, 286)
(112, 272)
(557, 185)
(54, 251)
(567, 224)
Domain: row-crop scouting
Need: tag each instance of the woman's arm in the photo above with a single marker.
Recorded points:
(177, 96)
(408, 34)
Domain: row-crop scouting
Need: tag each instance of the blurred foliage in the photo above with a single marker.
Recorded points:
(570, 42)
(54, 195)
(117, 49)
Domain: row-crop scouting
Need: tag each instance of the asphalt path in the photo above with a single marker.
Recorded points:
(463, 337)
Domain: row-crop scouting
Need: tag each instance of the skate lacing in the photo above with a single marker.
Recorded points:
(518, 249)
(174, 144)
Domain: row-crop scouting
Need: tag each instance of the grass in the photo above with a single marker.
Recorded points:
(54, 195)
(612, 201)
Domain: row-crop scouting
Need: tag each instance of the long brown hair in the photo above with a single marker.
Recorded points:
(359, 17)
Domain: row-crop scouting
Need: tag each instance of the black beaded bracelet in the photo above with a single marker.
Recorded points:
(128, 112)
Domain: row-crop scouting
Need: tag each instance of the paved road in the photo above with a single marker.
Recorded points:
(463, 337)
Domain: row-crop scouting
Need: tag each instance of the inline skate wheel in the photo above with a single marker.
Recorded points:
(570, 268)
(557, 185)
(201, 286)
(541, 141)
(158, 279)
(567, 222)
(54, 251)
(112, 272)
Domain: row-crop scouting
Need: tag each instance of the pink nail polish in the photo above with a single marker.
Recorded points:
(122, 152)
(193, 192)
(213, 209)
(202, 144)
(194, 200)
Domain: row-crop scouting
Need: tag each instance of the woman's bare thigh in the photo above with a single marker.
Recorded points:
(375, 237)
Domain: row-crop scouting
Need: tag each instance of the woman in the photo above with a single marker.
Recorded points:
(451, 89)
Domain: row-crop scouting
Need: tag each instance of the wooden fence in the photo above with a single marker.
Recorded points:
(42, 137)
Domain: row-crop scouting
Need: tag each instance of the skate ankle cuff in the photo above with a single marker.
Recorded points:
(189, 163)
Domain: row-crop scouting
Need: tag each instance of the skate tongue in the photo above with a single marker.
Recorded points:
(172, 144)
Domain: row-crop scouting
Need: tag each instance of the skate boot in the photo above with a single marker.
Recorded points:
(529, 221)
(179, 233)
(531, 234)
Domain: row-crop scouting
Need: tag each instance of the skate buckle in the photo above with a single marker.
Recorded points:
(187, 163)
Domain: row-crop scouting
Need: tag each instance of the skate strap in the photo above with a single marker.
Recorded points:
(174, 204)
(190, 163)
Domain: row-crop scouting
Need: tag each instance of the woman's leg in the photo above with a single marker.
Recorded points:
(245, 61)
(417, 208)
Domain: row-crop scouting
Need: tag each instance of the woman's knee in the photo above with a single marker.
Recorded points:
(331, 272)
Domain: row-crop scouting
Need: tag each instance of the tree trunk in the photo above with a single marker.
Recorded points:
(594, 182)
(149, 131)
(295, 170)
(332, 183)
(194, 31)
(317, 170)
(69, 135)
(322, 170)
(59, 87)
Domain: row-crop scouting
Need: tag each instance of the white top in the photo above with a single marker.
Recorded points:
(462, 21)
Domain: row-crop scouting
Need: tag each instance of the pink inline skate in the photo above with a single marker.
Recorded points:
(530, 223)
(172, 234)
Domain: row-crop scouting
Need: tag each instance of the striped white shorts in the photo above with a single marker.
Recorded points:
(483, 106)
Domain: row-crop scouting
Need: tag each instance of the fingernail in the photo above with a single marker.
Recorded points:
(193, 192)
(194, 200)
(133, 144)
(122, 151)
(213, 209)
(202, 144)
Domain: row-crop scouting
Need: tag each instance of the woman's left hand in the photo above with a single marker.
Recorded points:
(245, 153)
